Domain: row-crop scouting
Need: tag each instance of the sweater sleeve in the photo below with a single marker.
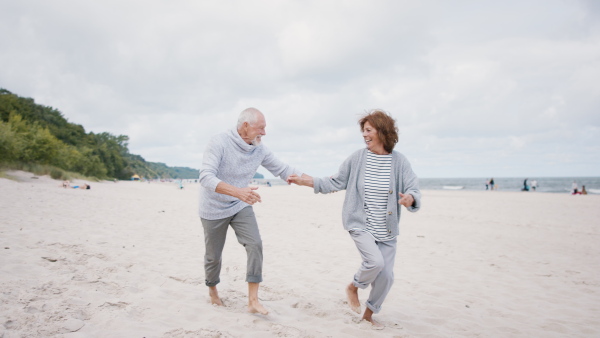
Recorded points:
(210, 165)
(339, 181)
(276, 167)
(410, 184)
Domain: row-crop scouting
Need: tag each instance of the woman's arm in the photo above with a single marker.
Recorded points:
(410, 184)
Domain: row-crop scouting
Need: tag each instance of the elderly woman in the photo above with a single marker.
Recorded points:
(377, 181)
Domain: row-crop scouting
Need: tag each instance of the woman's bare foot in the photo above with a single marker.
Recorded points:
(352, 294)
(368, 316)
(214, 296)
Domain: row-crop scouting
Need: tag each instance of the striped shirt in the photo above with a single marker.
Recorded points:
(377, 185)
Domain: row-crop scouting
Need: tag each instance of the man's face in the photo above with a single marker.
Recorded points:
(256, 130)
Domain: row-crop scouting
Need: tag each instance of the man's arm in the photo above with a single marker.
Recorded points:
(246, 194)
(210, 165)
(209, 180)
(276, 167)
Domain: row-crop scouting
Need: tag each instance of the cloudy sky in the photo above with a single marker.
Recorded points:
(478, 88)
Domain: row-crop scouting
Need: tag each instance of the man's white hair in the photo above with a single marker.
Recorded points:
(249, 115)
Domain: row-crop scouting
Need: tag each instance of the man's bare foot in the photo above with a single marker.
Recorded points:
(256, 307)
(352, 294)
(214, 296)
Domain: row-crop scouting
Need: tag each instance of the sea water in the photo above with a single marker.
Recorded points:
(544, 184)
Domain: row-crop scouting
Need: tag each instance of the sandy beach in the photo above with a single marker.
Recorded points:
(126, 260)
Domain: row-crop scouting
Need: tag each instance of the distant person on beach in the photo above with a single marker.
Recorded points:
(574, 190)
(525, 186)
(492, 183)
(583, 191)
(230, 161)
(377, 180)
(533, 185)
(85, 186)
(66, 184)
(487, 184)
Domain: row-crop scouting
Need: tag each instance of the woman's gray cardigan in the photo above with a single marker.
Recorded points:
(351, 177)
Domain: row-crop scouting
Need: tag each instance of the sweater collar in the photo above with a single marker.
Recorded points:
(239, 142)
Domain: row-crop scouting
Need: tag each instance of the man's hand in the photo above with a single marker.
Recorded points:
(406, 200)
(293, 178)
(248, 195)
(304, 180)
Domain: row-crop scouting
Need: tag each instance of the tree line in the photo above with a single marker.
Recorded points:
(35, 134)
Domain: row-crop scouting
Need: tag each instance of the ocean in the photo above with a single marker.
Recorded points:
(560, 185)
(544, 184)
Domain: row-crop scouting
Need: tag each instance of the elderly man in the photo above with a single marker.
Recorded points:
(229, 164)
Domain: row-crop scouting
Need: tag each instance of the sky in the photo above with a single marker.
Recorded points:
(477, 88)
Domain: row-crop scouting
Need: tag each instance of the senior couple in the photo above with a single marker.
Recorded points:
(377, 180)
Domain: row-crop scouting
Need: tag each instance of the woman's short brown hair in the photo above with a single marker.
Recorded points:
(385, 126)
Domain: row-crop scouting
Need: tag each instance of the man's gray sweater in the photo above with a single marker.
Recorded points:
(228, 158)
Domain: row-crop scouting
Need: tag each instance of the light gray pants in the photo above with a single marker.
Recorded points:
(246, 230)
(377, 268)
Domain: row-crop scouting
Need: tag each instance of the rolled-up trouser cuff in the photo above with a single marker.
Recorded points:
(359, 285)
(212, 283)
(254, 279)
(373, 308)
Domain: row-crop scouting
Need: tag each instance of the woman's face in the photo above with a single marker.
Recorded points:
(371, 137)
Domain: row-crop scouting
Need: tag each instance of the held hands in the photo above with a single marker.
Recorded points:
(304, 180)
(248, 195)
(293, 178)
(406, 200)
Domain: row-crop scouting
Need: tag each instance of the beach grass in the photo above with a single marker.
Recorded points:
(42, 170)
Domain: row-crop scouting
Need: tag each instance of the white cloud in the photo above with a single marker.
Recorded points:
(477, 88)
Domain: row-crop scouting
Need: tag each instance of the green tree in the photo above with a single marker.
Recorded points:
(33, 133)
(9, 147)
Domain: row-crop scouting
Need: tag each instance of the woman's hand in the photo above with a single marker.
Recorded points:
(406, 200)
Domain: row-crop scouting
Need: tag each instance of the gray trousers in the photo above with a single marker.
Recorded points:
(246, 230)
(377, 268)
